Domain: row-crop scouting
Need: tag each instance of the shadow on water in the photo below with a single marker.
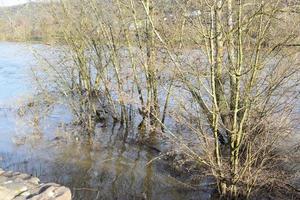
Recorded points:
(108, 166)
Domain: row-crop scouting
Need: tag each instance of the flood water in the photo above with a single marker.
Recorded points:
(106, 168)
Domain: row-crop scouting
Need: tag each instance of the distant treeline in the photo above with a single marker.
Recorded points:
(28, 22)
(40, 21)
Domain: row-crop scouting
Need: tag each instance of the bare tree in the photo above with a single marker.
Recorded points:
(236, 74)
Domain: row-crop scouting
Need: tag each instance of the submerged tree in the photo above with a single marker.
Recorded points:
(248, 93)
(242, 84)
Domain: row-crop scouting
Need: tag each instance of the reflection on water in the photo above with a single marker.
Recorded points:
(105, 167)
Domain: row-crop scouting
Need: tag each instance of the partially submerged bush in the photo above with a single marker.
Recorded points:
(234, 94)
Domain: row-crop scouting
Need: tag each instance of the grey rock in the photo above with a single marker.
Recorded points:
(19, 186)
(52, 191)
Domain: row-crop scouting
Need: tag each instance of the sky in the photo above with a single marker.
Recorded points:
(12, 2)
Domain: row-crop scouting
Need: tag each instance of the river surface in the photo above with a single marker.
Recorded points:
(107, 168)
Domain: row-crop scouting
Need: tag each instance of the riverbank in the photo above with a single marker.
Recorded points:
(19, 186)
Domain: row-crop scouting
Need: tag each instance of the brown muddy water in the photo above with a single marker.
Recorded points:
(107, 167)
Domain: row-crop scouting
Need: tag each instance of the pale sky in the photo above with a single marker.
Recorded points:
(12, 2)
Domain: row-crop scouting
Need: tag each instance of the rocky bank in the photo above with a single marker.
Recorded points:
(19, 186)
